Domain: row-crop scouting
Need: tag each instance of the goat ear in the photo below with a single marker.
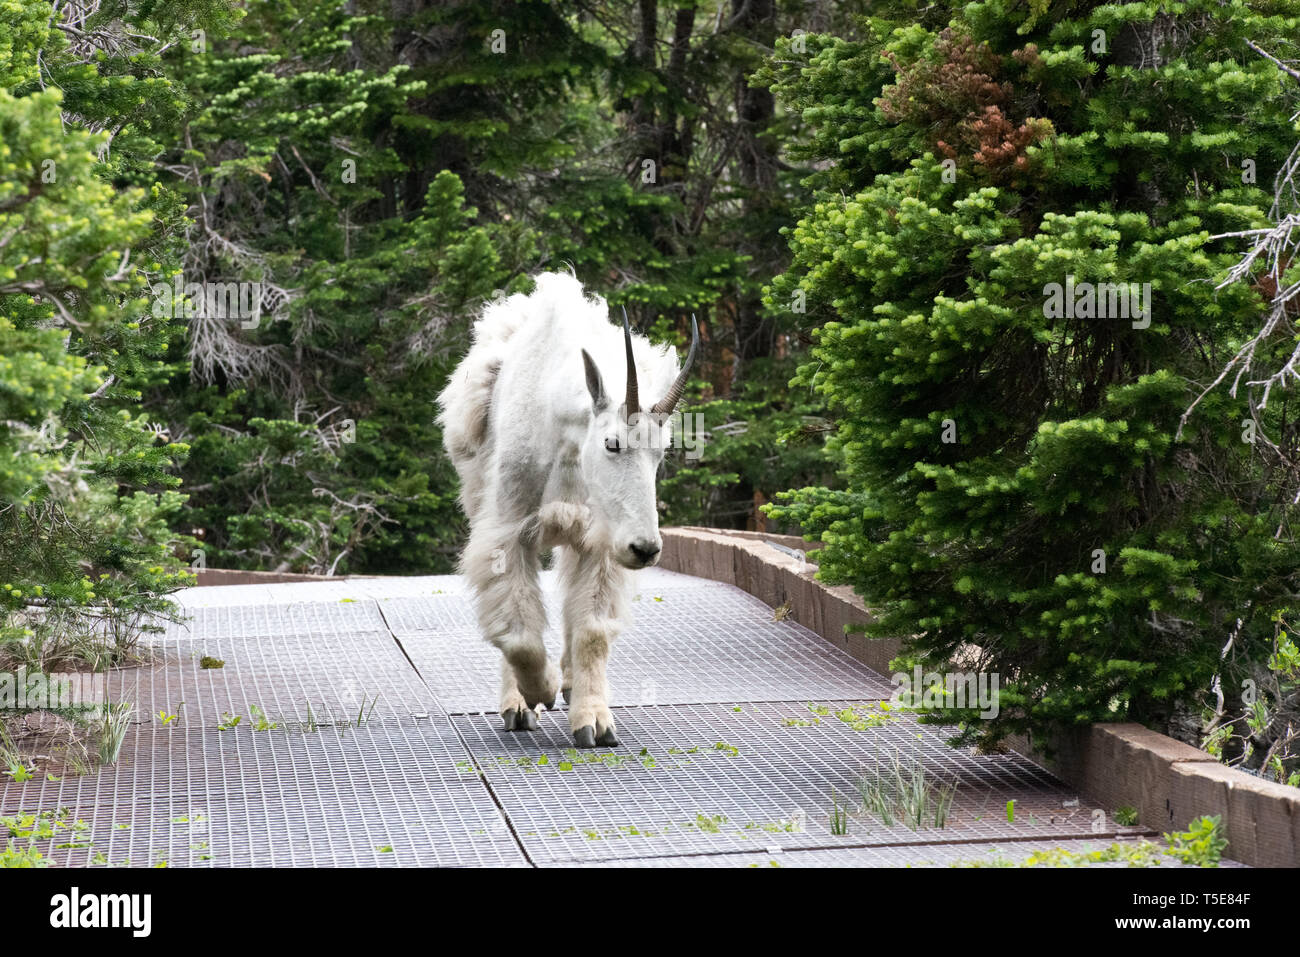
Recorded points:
(595, 384)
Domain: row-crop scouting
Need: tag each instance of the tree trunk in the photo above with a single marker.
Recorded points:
(755, 21)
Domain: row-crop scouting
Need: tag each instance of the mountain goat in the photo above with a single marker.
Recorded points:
(548, 458)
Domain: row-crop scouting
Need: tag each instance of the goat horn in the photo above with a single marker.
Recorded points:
(632, 403)
(669, 402)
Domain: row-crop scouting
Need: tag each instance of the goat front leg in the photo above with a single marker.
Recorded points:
(595, 601)
(563, 523)
(502, 566)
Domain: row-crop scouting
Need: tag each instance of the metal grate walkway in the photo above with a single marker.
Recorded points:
(367, 735)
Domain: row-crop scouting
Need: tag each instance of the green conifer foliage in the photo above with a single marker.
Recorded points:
(1016, 496)
(85, 549)
(313, 442)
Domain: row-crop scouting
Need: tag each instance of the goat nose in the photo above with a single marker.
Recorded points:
(644, 551)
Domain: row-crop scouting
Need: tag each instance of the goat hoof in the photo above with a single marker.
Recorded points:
(585, 737)
(566, 692)
(608, 738)
(519, 719)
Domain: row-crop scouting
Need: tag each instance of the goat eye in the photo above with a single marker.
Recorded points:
(611, 444)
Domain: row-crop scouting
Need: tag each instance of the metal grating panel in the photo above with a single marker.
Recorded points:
(721, 780)
(663, 598)
(337, 676)
(282, 798)
(159, 761)
(299, 618)
(441, 615)
(619, 803)
(323, 592)
(390, 587)
(264, 831)
(676, 651)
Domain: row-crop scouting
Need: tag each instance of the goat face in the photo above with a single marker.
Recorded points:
(621, 454)
(619, 463)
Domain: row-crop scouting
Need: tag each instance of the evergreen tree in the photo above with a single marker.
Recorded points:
(332, 152)
(1017, 497)
(85, 498)
(311, 422)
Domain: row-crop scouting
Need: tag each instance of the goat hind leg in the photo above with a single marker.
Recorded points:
(514, 709)
(503, 571)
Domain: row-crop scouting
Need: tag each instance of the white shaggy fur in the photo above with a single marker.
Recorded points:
(531, 439)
